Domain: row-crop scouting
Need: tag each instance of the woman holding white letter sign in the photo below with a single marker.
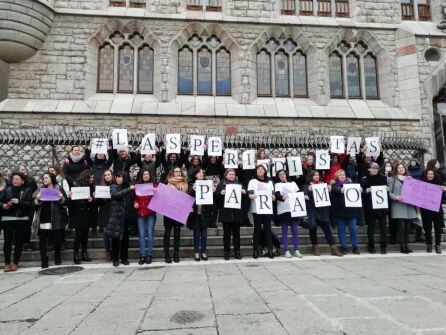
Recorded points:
(261, 191)
(283, 188)
(231, 213)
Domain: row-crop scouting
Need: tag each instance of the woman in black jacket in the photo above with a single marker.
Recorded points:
(74, 164)
(200, 219)
(120, 216)
(107, 179)
(231, 218)
(16, 202)
(433, 217)
(82, 216)
(52, 218)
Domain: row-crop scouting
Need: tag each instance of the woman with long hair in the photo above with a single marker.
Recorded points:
(107, 179)
(121, 215)
(177, 180)
(146, 218)
(52, 219)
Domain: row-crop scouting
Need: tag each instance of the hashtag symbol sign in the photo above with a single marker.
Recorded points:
(99, 143)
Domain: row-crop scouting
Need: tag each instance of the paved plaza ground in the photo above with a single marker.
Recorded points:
(392, 294)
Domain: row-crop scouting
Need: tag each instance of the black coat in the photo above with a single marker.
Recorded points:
(59, 216)
(367, 182)
(122, 165)
(321, 213)
(121, 211)
(73, 169)
(198, 221)
(98, 167)
(23, 208)
(339, 210)
(228, 214)
(103, 212)
(82, 213)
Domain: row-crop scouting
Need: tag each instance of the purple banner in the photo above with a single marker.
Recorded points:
(49, 194)
(421, 194)
(144, 189)
(172, 203)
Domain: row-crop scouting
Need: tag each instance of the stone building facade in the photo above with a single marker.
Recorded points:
(50, 66)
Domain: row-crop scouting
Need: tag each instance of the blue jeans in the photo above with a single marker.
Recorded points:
(107, 243)
(351, 223)
(200, 240)
(146, 224)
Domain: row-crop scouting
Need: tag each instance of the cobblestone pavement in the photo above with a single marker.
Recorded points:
(392, 294)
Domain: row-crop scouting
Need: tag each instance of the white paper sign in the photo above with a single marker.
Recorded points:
(265, 163)
(197, 145)
(298, 208)
(352, 195)
(120, 139)
(322, 160)
(320, 195)
(99, 146)
(372, 146)
(337, 144)
(379, 197)
(294, 166)
(248, 158)
(233, 196)
(80, 193)
(46, 226)
(173, 143)
(148, 144)
(214, 146)
(204, 192)
(102, 192)
(230, 159)
(278, 164)
(264, 202)
(353, 145)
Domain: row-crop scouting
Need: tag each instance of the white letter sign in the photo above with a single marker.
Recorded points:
(379, 197)
(322, 160)
(204, 192)
(173, 143)
(352, 195)
(233, 196)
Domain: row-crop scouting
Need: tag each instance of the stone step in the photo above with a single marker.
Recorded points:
(187, 252)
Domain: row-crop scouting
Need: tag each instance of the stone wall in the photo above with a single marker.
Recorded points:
(376, 11)
(81, 4)
(254, 8)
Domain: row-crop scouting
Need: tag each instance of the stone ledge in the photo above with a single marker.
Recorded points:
(127, 104)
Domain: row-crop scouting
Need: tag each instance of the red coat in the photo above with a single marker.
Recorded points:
(328, 177)
(143, 202)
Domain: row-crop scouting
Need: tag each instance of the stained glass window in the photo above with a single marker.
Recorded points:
(353, 78)
(335, 71)
(145, 69)
(125, 69)
(300, 75)
(223, 72)
(370, 77)
(263, 73)
(281, 74)
(204, 75)
(185, 71)
(106, 67)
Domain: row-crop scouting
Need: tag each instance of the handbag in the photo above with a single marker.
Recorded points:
(309, 222)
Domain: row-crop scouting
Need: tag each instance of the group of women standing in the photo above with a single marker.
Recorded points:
(116, 216)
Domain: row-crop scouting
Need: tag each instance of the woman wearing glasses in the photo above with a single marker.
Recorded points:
(178, 180)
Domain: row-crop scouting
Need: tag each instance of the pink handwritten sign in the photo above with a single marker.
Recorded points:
(421, 194)
(144, 189)
(49, 194)
(172, 203)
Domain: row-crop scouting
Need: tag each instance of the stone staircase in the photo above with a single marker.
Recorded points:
(215, 244)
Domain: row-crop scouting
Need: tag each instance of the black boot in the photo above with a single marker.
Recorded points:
(429, 248)
(76, 259)
(167, 257)
(403, 249)
(371, 248)
(227, 256)
(237, 255)
(383, 250)
(115, 263)
(44, 264)
(255, 253)
(270, 254)
(142, 260)
(419, 234)
(409, 251)
(438, 248)
(149, 260)
(85, 257)
(57, 259)
(176, 257)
